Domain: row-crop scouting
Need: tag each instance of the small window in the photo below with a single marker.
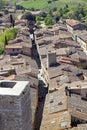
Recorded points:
(51, 101)
(60, 103)
(23, 92)
(78, 109)
(11, 102)
(86, 94)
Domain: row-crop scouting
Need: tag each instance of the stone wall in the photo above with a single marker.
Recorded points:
(15, 111)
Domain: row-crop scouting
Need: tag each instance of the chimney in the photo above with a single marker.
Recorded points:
(51, 58)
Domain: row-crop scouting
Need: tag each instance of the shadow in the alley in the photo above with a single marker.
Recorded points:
(42, 91)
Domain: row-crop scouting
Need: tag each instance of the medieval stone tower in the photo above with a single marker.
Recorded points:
(15, 105)
(51, 58)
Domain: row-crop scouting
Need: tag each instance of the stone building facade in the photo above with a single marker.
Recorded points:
(15, 105)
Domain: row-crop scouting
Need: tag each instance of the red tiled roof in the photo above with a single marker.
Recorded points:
(72, 22)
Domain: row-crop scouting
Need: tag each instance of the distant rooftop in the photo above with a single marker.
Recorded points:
(72, 22)
(78, 85)
(55, 102)
(83, 36)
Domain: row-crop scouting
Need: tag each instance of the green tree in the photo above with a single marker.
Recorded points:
(65, 10)
(54, 9)
(29, 16)
(57, 16)
(66, 5)
(1, 4)
(38, 24)
(61, 11)
(38, 18)
(80, 16)
(70, 14)
(86, 23)
(43, 14)
(79, 12)
(6, 41)
(12, 20)
(48, 20)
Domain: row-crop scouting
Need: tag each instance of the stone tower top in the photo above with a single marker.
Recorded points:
(14, 88)
(51, 58)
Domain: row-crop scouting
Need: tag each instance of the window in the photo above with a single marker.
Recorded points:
(51, 101)
(78, 109)
(60, 103)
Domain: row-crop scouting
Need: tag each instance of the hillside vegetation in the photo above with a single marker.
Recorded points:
(6, 36)
(49, 4)
(59, 8)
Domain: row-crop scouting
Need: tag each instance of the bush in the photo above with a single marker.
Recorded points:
(32, 9)
(48, 20)
(19, 7)
(28, 16)
(54, 9)
(7, 35)
(11, 33)
(49, 2)
(43, 14)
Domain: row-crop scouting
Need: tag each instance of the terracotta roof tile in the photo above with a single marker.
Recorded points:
(72, 22)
